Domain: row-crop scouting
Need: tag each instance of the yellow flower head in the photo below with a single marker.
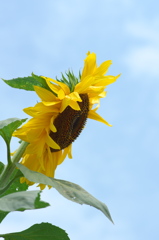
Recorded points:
(61, 115)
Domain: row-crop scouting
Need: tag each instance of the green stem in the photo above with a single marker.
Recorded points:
(9, 169)
(18, 154)
(8, 154)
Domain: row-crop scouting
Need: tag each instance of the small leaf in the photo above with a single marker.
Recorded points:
(27, 83)
(8, 126)
(21, 201)
(38, 232)
(69, 190)
(40, 204)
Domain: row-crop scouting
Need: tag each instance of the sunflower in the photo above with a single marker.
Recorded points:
(58, 119)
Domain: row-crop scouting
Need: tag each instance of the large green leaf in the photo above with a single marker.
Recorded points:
(69, 190)
(27, 83)
(20, 201)
(43, 231)
(8, 126)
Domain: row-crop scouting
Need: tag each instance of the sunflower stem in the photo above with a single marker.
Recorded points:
(5, 177)
(18, 154)
(8, 154)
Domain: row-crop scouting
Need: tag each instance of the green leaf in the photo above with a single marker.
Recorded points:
(21, 201)
(69, 190)
(38, 232)
(27, 83)
(8, 126)
(1, 167)
(40, 204)
(16, 186)
(21, 187)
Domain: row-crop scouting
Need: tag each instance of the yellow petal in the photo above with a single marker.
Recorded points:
(44, 94)
(95, 116)
(50, 164)
(70, 151)
(51, 143)
(64, 87)
(106, 80)
(75, 96)
(61, 94)
(64, 104)
(66, 151)
(96, 89)
(94, 100)
(52, 126)
(74, 105)
(39, 109)
(51, 103)
(68, 102)
(53, 87)
(89, 65)
(103, 94)
(103, 68)
(56, 88)
(82, 86)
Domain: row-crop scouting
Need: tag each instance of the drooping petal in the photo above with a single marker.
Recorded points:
(95, 116)
(70, 151)
(66, 151)
(51, 143)
(52, 126)
(74, 105)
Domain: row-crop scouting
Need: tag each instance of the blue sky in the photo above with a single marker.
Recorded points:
(117, 165)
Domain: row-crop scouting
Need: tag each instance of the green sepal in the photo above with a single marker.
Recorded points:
(67, 189)
(27, 83)
(8, 126)
(38, 232)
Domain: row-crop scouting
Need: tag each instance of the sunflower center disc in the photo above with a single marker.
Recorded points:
(70, 123)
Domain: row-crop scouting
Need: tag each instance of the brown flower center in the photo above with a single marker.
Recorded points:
(70, 123)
